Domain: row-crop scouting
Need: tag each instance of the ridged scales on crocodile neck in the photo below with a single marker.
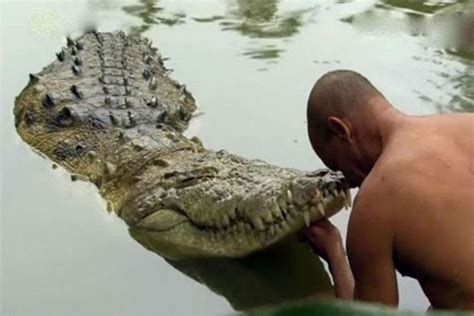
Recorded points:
(107, 111)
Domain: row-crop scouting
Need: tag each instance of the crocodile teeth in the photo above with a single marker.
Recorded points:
(321, 209)
(275, 209)
(306, 217)
(267, 216)
(232, 213)
(316, 197)
(292, 210)
(248, 228)
(282, 204)
(343, 194)
(271, 230)
(225, 220)
(258, 223)
(284, 226)
(277, 229)
(347, 194)
(289, 196)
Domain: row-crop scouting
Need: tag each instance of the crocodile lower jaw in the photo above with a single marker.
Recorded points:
(172, 234)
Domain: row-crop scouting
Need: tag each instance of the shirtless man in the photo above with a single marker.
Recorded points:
(415, 208)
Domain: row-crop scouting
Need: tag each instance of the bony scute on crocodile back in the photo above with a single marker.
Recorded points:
(107, 111)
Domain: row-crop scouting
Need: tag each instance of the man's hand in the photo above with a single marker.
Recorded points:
(325, 240)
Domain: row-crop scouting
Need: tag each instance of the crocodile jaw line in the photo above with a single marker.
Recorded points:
(172, 234)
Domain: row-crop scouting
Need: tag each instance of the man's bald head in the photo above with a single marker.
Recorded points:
(338, 93)
(343, 125)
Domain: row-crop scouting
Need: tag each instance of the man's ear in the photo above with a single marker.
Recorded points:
(340, 128)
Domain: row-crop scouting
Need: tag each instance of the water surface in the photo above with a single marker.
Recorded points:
(250, 66)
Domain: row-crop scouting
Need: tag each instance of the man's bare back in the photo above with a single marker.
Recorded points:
(428, 166)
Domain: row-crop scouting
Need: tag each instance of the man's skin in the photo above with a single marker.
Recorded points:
(415, 208)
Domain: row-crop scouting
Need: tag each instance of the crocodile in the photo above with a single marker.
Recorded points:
(107, 111)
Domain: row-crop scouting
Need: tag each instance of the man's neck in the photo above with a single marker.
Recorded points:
(389, 121)
(384, 121)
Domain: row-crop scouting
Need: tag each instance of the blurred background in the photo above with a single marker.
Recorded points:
(250, 65)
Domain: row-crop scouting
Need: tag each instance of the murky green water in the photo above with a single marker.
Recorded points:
(250, 65)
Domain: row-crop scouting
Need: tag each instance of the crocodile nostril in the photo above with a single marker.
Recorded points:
(64, 117)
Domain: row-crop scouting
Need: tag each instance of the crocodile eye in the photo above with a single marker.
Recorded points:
(64, 117)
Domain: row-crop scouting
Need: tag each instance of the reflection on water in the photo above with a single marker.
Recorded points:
(150, 13)
(263, 20)
(286, 272)
(447, 26)
(264, 52)
(260, 19)
(462, 95)
(422, 6)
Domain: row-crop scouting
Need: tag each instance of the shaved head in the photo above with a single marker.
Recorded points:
(343, 129)
(338, 93)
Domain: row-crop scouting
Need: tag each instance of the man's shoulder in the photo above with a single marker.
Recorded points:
(389, 177)
(387, 186)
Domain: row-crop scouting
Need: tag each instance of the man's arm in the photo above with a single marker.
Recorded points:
(370, 248)
(370, 241)
(326, 241)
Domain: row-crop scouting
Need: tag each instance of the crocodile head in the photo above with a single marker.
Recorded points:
(235, 225)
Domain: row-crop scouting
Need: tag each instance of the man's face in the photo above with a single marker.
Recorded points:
(339, 154)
